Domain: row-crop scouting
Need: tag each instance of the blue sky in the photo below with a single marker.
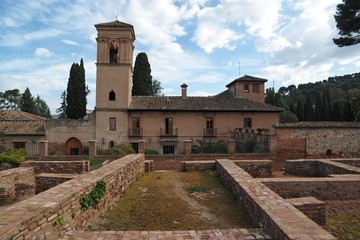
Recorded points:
(197, 42)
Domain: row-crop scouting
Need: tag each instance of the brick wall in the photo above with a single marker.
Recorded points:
(320, 167)
(280, 219)
(16, 183)
(311, 207)
(341, 187)
(45, 181)
(62, 167)
(35, 217)
(256, 168)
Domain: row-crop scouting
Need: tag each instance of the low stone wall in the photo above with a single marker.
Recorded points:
(167, 162)
(16, 183)
(311, 207)
(320, 167)
(335, 187)
(58, 209)
(62, 167)
(280, 219)
(45, 181)
(256, 168)
(149, 165)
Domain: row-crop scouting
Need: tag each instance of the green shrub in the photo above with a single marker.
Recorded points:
(94, 197)
(209, 147)
(151, 152)
(121, 149)
(13, 156)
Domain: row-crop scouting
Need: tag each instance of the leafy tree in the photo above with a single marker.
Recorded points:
(27, 103)
(318, 104)
(10, 99)
(279, 101)
(62, 109)
(288, 117)
(142, 79)
(354, 98)
(292, 108)
(300, 111)
(41, 108)
(348, 115)
(348, 23)
(337, 114)
(156, 88)
(76, 92)
(325, 112)
(308, 109)
(270, 96)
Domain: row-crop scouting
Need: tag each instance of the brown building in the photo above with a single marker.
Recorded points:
(160, 122)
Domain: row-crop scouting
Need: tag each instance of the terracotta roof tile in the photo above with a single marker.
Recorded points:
(225, 101)
(319, 124)
(247, 78)
(21, 123)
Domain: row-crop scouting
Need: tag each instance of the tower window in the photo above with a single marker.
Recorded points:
(246, 88)
(112, 96)
(248, 123)
(112, 124)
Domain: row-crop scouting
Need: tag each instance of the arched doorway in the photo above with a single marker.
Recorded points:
(73, 146)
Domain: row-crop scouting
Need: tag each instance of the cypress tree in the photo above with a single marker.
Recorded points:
(62, 109)
(27, 102)
(142, 79)
(337, 114)
(348, 114)
(76, 92)
(318, 111)
(308, 109)
(325, 113)
(299, 111)
(83, 88)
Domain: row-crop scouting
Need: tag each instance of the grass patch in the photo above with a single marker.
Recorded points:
(344, 226)
(162, 201)
(197, 190)
(96, 162)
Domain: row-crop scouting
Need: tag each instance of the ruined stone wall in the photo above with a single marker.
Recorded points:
(61, 167)
(280, 219)
(50, 213)
(16, 183)
(256, 168)
(317, 142)
(45, 181)
(311, 207)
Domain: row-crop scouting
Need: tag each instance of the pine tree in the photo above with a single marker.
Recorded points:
(308, 109)
(76, 92)
(325, 112)
(41, 108)
(348, 23)
(27, 102)
(318, 111)
(300, 111)
(62, 109)
(142, 79)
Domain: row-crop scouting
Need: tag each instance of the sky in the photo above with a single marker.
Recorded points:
(203, 43)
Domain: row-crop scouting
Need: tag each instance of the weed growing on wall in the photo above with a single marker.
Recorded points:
(94, 197)
(59, 222)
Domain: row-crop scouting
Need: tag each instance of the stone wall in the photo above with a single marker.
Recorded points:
(311, 207)
(16, 183)
(335, 187)
(317, 140)
(256, 168)
(58, 209)
(62, 167)
(167, 162)
(280, 219)
(320, 167)
(45, 181)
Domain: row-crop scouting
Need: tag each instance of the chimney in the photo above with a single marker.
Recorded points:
(183, 90)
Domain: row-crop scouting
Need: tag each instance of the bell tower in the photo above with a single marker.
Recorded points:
(113, 80)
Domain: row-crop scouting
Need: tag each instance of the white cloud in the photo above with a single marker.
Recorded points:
(43, 52)
(70, 42)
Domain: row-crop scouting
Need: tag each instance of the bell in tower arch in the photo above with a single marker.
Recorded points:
(113, 51)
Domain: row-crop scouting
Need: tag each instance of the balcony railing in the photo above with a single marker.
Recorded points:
(210, 132)
(135, 132)
(172, 132)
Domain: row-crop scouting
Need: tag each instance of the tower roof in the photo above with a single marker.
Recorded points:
(115, 23)
(247, 78)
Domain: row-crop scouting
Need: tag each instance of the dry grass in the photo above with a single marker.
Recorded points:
(160, 201)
